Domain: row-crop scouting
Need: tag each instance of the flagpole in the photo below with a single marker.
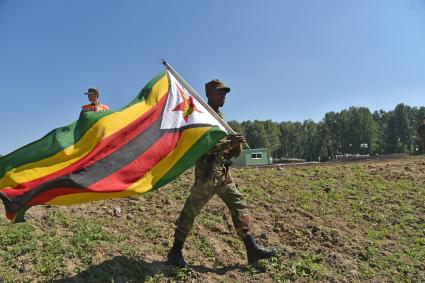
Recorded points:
(193, 93)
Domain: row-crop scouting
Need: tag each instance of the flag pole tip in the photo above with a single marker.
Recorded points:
(163, 62)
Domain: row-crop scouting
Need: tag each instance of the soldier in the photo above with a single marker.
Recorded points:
(212, 177)
(94, 106)
(420, 134)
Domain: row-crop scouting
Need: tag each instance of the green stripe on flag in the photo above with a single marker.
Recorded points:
(202, 146)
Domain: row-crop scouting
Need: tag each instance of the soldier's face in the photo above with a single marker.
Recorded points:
(423, 121)
(217, 98)
(93, 97)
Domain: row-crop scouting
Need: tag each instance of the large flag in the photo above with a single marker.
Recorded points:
(112, 154)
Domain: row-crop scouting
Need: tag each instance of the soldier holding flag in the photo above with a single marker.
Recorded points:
(212, 177)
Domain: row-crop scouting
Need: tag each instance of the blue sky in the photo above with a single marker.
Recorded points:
(284, 60)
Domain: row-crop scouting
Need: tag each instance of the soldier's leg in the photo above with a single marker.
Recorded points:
(241, 220)
(236, 203)
(200, 194)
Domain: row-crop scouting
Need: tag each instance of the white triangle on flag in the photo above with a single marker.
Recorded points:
(182, 109)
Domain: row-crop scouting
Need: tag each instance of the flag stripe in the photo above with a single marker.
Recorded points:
(106, 127)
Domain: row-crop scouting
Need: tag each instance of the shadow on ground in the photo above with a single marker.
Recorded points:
(124, 269)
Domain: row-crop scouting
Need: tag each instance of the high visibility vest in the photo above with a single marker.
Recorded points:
(94, 108)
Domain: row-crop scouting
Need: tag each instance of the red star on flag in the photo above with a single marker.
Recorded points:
(187, 106)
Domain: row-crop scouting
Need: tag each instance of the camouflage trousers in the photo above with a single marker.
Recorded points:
(200, 194)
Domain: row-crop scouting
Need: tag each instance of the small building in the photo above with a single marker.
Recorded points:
(258, 156)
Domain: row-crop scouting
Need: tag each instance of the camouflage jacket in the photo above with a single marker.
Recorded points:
(213, 166)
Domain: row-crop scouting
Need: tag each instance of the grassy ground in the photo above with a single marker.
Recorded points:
(334, 223)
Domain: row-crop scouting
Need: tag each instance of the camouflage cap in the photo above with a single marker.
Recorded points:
(92, 90)
(215, 85)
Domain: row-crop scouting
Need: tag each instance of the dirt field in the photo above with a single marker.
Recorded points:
(352, 222)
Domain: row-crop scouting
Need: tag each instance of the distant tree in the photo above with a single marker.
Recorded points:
(256, 135)
(272, 132)
(290, 139)
(357, 127)
(391, 135)
(398, 130)
(419, 114)
(402, 125)
(330, 134)
(337, 133)
(310, 141)
(236, 126)
(381, 121)
(265, 134)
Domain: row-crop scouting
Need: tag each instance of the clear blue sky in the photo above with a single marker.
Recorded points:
(284, 60)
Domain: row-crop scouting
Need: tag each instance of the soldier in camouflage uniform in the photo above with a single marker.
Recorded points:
(420, 134)
(212, 177)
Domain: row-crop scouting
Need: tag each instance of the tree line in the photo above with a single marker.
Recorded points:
(352, 131)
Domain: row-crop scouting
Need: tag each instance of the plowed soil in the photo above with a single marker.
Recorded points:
(357, 222)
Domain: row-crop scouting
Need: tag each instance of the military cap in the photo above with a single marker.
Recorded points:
(92, 90)
(215, 85)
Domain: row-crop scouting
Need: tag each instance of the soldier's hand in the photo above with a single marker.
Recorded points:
(237, 139)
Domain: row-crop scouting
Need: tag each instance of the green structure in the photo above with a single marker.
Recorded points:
(258, 156)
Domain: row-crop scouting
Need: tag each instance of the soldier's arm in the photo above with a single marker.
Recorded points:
(223, 145)
(231, 143)
(235, 151)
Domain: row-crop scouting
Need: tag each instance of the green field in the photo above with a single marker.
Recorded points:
(357, 222)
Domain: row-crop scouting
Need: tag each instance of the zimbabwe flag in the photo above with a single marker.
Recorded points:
(111, 154)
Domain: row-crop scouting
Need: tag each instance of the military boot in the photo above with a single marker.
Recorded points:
(256, 252)
(175, 256)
